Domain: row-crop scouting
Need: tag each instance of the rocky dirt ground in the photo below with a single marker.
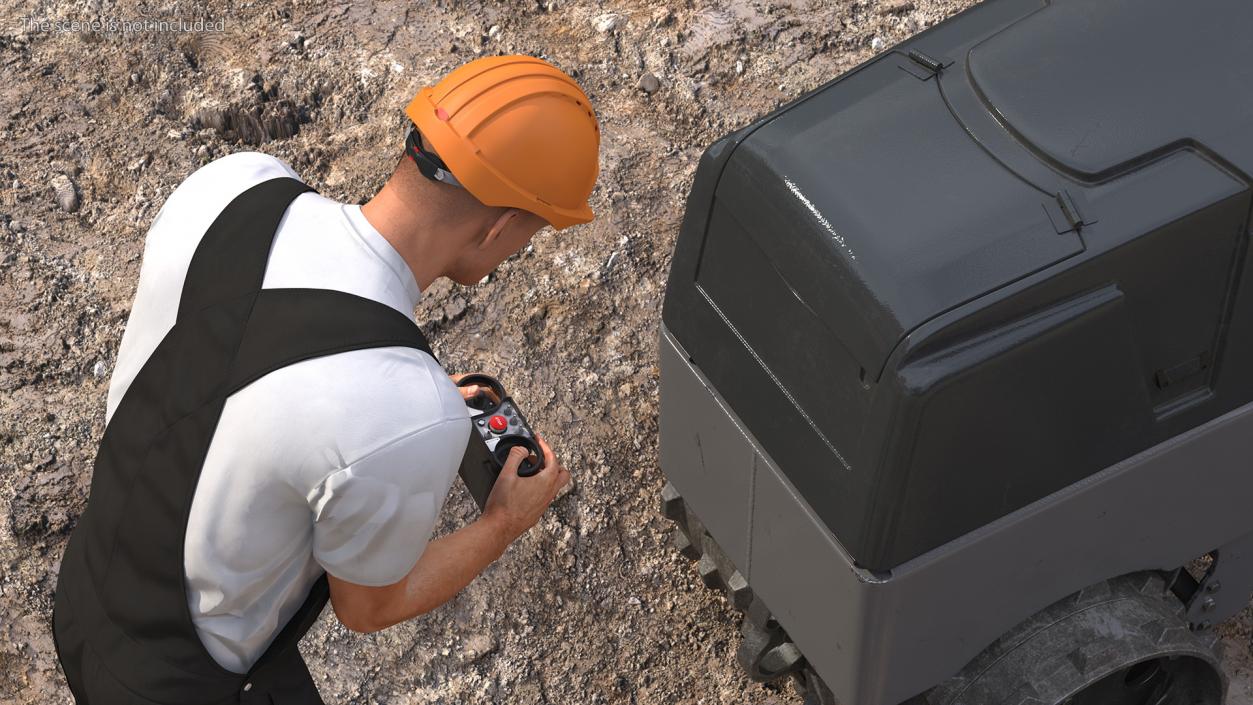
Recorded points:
(96, 129)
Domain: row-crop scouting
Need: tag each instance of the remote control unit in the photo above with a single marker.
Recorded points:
(496, 428)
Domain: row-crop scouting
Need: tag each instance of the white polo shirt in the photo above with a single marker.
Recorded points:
(340, 463)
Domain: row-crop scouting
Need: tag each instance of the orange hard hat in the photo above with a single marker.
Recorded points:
(515, 131)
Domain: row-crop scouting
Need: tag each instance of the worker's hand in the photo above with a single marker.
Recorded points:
(517, 503)
(468, 391)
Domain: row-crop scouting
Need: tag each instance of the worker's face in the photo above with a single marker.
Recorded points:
(485, 255)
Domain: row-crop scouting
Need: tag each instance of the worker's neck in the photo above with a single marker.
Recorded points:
(413, 231)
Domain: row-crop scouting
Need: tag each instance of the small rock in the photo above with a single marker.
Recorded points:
(608, 22)
(877, 44)
(14, 226)
(98, 369)
(649, 83)
(66, 193)
(454, 308)
(493, 31)
(633, 601)
(739, 68)
(164, 102)
(478, 646)
(896, 7)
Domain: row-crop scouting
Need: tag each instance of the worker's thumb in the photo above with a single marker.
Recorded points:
(516, 455)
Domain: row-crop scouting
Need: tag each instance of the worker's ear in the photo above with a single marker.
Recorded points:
(498, 227)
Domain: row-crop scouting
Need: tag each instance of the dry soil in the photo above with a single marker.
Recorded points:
(98, 126)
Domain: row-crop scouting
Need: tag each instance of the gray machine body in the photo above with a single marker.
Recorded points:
(970, 327)
(881, 638)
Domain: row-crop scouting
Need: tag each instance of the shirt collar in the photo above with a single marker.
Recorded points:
(383, 249)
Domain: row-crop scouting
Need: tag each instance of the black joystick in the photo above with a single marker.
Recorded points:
(497, 426)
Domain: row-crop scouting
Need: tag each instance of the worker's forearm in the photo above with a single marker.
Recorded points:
(447, 565)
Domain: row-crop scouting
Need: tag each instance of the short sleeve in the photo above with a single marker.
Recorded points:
(374, 517)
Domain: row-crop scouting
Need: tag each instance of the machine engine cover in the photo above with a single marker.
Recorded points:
(982, 266)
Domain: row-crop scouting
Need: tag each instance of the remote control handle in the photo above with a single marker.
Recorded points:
(483, 381)
(527, 467)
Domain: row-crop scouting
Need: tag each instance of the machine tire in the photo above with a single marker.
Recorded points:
(1121, 642)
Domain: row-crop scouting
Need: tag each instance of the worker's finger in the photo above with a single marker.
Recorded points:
(470, 390)
(550, 458)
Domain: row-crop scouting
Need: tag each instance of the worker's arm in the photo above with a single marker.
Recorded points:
(449, 563)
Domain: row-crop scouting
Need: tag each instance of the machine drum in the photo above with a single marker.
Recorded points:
(1120, 642)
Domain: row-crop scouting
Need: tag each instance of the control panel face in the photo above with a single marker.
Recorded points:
(505, 420)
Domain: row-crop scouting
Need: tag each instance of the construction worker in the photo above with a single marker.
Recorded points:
(278, 433)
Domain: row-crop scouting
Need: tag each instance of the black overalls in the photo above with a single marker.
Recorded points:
(121, 620)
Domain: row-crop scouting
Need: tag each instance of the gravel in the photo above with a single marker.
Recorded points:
(594, 605)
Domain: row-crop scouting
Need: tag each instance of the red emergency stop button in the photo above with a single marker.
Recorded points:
(498, 423)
